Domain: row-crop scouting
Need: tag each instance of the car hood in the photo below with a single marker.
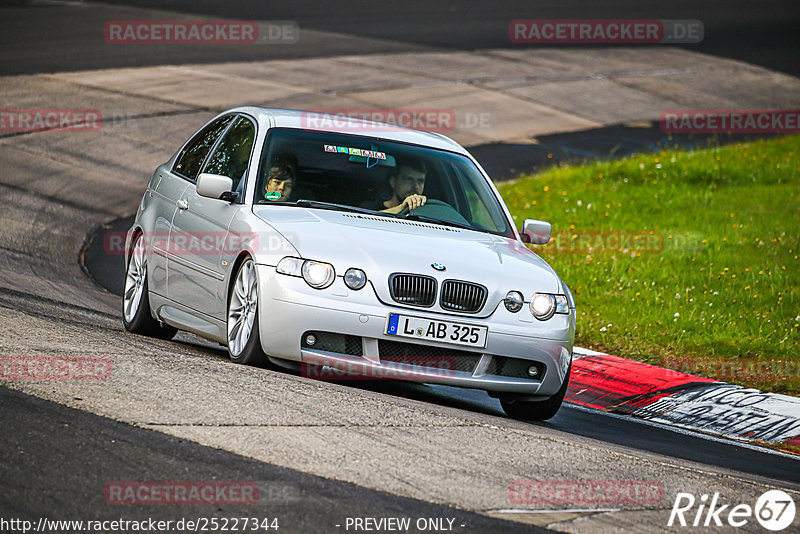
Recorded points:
(384, 245)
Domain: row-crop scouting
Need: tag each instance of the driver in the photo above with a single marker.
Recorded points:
(406, 186)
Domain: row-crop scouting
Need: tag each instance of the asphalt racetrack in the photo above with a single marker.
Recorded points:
(319, 452)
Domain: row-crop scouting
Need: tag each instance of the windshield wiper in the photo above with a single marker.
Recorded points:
(305, 203)
(332, 206)
(443, 222)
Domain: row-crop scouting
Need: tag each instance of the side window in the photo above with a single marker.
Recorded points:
(232, 156)
(191, 159)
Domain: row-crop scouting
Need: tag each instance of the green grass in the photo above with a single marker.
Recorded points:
(711, 286)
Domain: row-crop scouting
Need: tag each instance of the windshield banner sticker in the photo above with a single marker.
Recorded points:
(355, 151)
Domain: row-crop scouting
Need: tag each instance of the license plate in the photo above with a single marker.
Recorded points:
(432, 330)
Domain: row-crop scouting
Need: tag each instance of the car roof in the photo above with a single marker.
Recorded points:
(293, 118)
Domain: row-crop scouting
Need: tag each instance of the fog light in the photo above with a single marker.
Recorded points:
(533, 371)
(311, 340)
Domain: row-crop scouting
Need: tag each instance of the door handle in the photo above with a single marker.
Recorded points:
(182, 204)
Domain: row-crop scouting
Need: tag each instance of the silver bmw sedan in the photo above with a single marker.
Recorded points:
(345, 248)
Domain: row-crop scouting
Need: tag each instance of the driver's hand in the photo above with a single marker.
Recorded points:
(412, 202)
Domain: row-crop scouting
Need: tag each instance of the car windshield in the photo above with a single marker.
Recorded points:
(360, 173)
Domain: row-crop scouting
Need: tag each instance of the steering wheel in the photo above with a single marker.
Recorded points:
(436, 209)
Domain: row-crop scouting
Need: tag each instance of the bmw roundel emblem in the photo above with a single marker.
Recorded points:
(438, 266)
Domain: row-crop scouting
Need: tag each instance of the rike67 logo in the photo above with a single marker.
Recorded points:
(774, 510)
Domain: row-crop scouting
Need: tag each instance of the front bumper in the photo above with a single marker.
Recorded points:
(289, 308)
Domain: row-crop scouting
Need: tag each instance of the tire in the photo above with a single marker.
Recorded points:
(136, 314)
(536, 410)
(244, 342)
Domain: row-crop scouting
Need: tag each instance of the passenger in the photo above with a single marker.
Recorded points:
(280, 180)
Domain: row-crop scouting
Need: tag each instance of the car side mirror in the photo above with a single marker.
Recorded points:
(216, 186)
(536, 232)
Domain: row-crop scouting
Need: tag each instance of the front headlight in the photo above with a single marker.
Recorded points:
(544, 305)
(354, 278)
(317, 274)
(290, 266)
(514, 301)
(562, 304)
